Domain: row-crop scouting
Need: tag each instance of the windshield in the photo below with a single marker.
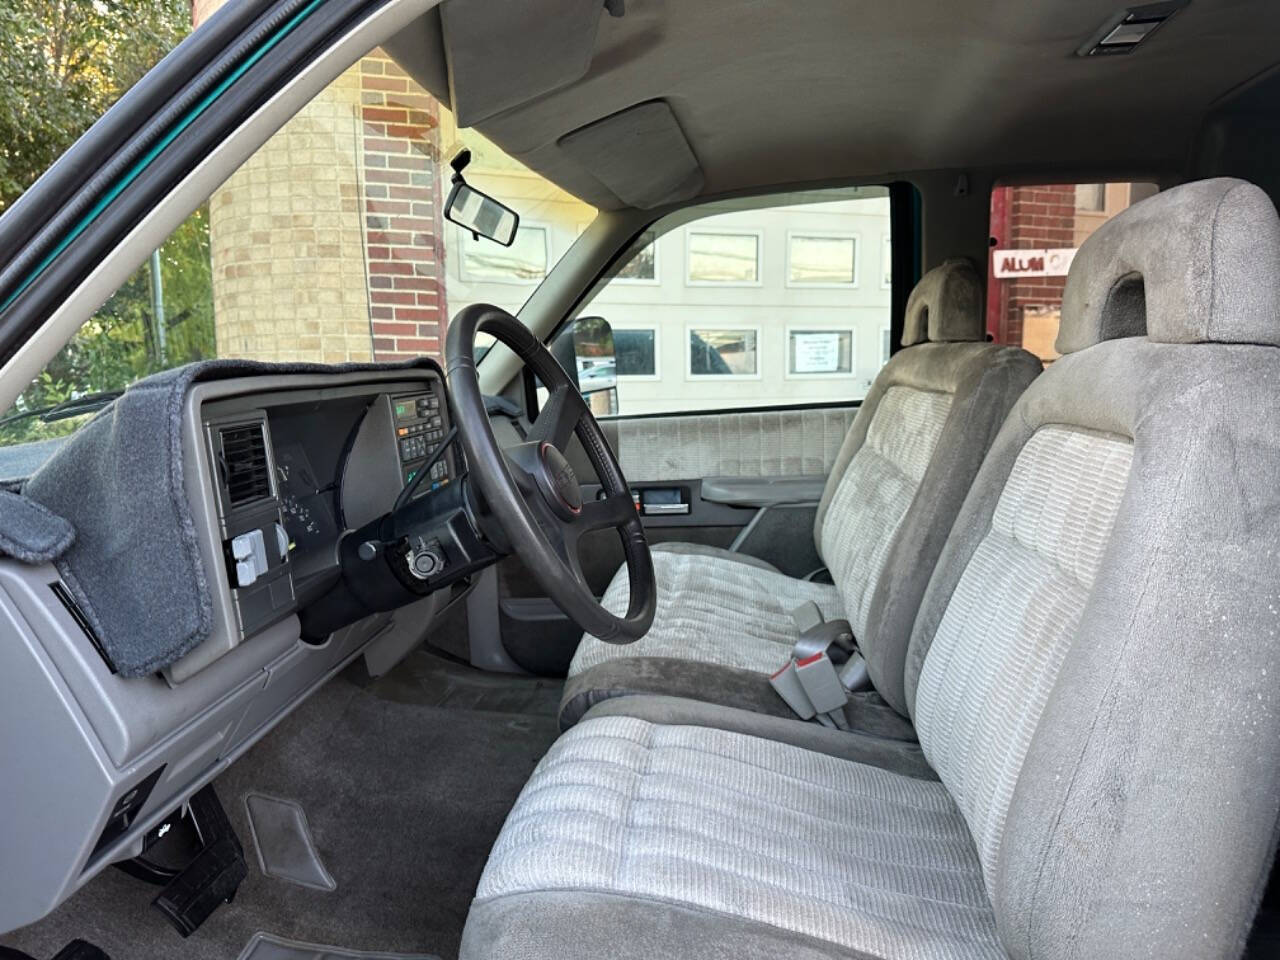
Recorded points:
(328, 245)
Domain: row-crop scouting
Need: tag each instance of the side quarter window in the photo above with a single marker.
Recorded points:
(775, 301)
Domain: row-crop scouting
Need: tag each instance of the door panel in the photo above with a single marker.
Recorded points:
(765, 443)
(764, 473)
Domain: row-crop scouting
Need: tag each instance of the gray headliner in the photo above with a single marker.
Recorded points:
(771, 92)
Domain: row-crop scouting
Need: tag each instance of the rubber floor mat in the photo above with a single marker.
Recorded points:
(283, 841)
(263, 946)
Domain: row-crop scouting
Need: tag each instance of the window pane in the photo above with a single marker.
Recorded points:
(1091, 197)
(745, 244)
(819, 352)
(723, 258)
(822, 259)
(327, 245)
(525, 261)
(636, 351)
(725, 353)
(1035, 233)
(642, 264)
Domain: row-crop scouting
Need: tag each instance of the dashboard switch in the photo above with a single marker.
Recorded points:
(282, 542)
(249, 551)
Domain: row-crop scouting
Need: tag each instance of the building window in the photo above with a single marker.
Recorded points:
(525, 261)
(819, 353)
(724, 258)
(817, 260)
(729, 352)
(640, 264)
(636, 352)
(1091, 197)
(886, 262)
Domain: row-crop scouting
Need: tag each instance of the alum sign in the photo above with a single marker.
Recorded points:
(1010, 264)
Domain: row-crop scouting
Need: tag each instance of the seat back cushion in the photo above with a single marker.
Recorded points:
(905, 469)
(1093, 670)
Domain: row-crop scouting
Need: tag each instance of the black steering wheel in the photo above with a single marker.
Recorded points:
(532, 490)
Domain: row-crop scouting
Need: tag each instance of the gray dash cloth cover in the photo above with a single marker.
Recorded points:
(109, 507)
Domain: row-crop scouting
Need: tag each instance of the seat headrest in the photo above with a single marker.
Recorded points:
(1199, 263)
(946, 305)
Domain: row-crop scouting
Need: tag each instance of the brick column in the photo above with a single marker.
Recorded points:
(402, 205)
(326, 242)
(1042, 216)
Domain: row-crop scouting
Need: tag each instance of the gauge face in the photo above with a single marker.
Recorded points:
(306, 506)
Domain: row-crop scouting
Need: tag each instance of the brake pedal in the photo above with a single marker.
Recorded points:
(213, 877)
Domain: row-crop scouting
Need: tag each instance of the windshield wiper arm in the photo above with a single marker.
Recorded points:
(74, 407)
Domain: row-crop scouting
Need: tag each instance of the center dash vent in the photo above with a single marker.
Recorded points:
(245, 468)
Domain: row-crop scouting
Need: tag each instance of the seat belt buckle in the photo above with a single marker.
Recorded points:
(787, 684)
(821, 684)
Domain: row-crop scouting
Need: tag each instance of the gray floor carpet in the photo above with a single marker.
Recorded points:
(405, 783)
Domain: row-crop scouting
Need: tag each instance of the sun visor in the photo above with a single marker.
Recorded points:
(504, 53)
(640, 154)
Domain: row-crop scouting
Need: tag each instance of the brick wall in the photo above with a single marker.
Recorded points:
(287, 242)
(402, 206)
(326, 243)
(1032, 217)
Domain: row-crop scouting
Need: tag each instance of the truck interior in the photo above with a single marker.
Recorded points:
(722, 479)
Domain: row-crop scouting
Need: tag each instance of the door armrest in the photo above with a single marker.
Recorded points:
(763, 491)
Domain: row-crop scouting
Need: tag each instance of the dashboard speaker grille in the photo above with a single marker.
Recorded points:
(244, 462)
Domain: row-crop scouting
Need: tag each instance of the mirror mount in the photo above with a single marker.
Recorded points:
(458, 164)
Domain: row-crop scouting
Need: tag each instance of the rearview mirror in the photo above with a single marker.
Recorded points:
(481, 214)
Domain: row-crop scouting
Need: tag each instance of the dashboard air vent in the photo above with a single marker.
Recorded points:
(244, 464)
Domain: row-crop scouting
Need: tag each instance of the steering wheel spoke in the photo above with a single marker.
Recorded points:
(556, 422)
(615, 510)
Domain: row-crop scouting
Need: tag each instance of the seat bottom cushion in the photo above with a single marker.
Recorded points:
(643, 838)
(722, 625)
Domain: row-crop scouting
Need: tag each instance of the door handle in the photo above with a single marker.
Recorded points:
(665, 509)
(664, 501)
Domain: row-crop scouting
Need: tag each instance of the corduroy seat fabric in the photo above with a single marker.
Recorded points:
(723, 625)
(1093, 676)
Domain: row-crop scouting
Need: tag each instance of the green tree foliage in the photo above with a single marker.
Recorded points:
(62, 64)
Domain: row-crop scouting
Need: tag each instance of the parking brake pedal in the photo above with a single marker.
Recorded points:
(213, 877)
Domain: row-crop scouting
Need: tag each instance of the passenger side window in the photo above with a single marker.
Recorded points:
(779, 301)
(1035, 232)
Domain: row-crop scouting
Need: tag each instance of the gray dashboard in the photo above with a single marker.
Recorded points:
(92, 760)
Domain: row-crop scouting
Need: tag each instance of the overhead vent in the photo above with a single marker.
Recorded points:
(1123, 32)
(246, 470)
